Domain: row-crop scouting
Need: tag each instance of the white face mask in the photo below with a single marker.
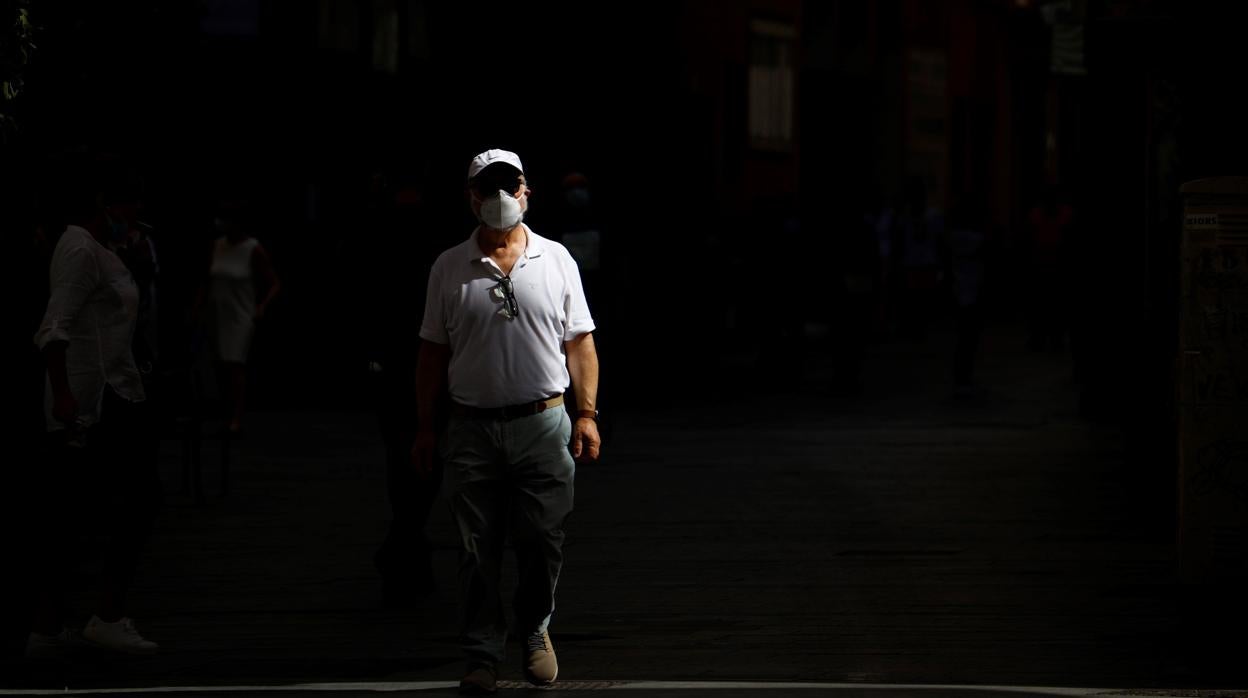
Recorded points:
(501, 211)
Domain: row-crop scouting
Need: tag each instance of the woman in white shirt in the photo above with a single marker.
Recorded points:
(97, 419)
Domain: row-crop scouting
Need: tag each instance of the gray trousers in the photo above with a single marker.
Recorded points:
(508, 478)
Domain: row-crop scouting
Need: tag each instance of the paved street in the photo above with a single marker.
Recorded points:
(899, 538)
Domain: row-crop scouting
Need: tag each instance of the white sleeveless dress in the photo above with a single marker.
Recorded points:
(232, 294)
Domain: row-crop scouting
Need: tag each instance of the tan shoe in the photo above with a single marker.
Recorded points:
(481, 680)
(540, 665)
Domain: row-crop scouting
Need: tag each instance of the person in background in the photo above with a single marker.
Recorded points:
(966, 246)
(393, 238)
(1050, 223)
(917, 242)
(132, 242)
(241, 286)
(100, 474)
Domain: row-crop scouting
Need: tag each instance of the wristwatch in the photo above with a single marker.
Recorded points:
(587, 414)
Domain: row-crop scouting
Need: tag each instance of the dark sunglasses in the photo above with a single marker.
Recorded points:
(487, 186)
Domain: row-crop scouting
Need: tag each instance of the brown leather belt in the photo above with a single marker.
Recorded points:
(528, 409)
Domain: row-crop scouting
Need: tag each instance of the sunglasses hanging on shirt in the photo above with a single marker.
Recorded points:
(506, 292)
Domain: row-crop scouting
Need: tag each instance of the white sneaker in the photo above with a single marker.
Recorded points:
(120, 636)
(39, 645)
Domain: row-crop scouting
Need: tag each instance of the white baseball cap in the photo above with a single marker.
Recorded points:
(489, 157)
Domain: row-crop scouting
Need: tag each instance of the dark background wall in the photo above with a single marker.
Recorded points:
(717, 251)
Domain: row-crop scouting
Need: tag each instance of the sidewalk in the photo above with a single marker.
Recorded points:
(899, 538)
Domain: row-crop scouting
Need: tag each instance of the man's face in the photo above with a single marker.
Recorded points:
(480, 191)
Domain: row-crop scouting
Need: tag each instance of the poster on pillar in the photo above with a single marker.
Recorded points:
(1215, 282)
(1213, 494)
(1212, 375)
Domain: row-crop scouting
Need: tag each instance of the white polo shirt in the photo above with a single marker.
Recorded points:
(497, 361)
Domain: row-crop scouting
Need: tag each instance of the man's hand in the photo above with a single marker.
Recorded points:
(422, 453)
(585, 440)
(583, 368)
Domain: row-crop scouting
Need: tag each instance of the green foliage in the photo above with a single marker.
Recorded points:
(17, 45)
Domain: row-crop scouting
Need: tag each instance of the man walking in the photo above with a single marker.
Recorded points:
(506, 328)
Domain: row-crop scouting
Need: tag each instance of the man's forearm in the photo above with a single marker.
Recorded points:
(583, 368)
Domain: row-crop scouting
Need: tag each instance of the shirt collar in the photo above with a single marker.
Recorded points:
(535, 247)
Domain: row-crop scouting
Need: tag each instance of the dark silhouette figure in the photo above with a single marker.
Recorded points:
(241, 285)
(390, 262)
(917, 238)
(100, 474)
(133, 242)
(580, 231)
(967, 240)
(1050, 225)
(862, 276)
